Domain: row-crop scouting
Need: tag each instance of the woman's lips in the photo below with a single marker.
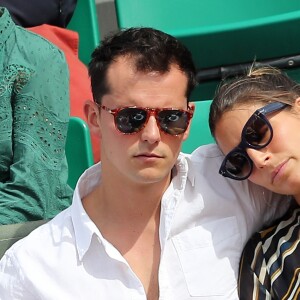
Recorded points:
(276, 174)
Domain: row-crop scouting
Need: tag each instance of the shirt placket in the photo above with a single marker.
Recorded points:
(169, 204)
(137, 291)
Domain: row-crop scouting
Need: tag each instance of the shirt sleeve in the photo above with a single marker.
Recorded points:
(254, 280)
(12, 286)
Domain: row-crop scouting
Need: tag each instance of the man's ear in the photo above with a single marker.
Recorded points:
(297, 105)
(192, 109)
(92, 114)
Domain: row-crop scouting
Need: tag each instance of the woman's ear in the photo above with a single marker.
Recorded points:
(92, 114)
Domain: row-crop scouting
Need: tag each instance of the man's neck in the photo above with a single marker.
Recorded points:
(114, 201)
(129, 217)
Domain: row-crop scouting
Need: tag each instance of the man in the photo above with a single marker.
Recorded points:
(148, 222)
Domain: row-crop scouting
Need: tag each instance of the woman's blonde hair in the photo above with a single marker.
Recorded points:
(260, 84)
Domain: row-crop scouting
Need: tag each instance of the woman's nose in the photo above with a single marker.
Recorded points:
(260, 157)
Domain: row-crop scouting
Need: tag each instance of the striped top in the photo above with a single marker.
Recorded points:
(270, 263)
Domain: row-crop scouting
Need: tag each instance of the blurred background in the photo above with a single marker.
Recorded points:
(106, 16)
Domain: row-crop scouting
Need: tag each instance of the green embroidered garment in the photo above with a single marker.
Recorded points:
(34, 114)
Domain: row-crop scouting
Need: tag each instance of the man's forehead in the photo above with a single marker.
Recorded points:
(140, 64)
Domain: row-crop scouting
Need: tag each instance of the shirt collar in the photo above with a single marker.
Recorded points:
(85, 228)
(186, 166)
(7, 26)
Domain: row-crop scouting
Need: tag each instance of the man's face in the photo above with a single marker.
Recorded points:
(148, 155)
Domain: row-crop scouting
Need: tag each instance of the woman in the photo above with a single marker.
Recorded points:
(255, 120)
(34, 115)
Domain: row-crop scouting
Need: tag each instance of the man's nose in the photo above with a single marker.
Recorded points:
(151, 132)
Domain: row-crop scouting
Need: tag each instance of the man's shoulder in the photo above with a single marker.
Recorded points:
(206, 155)
(40, 241)
(205, 160)
(207, 151)
(203, 173)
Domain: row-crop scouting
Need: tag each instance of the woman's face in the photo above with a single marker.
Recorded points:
(276, 166)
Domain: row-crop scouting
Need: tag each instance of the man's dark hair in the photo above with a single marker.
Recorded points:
(150, 50)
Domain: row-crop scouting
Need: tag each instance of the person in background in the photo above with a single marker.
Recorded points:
(80, 84)
(33, 13)
(50, 18)
(255, 119)
(148, 222)
(34, 116)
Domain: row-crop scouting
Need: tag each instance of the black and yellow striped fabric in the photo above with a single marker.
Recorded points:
(270, 264)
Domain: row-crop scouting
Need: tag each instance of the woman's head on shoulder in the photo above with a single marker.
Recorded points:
(255, 119)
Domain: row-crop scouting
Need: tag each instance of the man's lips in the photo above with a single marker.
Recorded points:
(148, 154)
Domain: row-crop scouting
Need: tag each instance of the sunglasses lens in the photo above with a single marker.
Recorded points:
(257, 132)
(130, 120)
(238, 165)
(173, 121)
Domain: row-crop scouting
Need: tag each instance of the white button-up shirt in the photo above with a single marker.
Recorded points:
(205, 222)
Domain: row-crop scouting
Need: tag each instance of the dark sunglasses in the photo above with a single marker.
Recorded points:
(256, 134)
(130, 120)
